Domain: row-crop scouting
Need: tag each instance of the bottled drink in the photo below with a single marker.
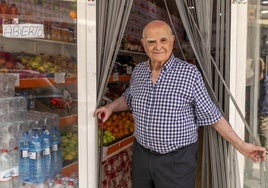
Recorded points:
(56, 150)
(36, 159)
(5, 170)
(13, 12)
(70, 184)
(15, 167)
(3, 7)
(58, 184)
(24, 160)
(47, 140)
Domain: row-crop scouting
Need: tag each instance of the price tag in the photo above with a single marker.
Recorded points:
(104, 152)
(115, 76)
(129, 70)
(59, 77)
(17, 81)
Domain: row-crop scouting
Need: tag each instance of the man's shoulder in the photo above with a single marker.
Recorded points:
(184, 64)
(142, 65)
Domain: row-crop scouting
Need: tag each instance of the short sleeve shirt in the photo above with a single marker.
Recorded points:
(167, 113)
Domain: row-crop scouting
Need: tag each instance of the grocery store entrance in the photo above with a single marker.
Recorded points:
(202, 37)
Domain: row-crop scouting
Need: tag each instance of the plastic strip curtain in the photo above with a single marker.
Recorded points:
(203, 17)
(112, 19)
(219, 159)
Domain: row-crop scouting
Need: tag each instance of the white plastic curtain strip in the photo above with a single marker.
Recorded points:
(198, 41)
(205, 25)
(112, 19)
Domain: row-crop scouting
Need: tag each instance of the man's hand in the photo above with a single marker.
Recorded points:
(255, 153)
(103, 110)
(119, 104)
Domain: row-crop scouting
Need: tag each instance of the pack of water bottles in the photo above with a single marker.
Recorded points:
(63, 182)
(30, 152)
(40, 155)
(33, 146)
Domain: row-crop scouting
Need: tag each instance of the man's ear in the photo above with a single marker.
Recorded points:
(142, 42)
(173, 37)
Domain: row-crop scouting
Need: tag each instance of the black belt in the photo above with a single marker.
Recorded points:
(157, 153)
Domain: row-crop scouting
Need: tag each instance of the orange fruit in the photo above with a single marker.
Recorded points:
(115, 117)
(115, 130)
(123, 114)
(126, 131)
(109, 129)
(72, 14)
(108, 123)
(120, 124)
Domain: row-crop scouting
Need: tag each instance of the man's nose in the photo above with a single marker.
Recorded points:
(158, 45)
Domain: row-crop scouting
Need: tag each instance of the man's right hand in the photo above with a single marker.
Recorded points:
(106, 110)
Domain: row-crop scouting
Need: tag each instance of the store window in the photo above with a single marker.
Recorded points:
(38, 93)
(256, 104)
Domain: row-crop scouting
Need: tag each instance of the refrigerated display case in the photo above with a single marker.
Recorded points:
(46, 65)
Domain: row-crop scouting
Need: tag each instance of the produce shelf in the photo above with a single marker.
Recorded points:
(44, 82)
(132, 52)
(66, 120)
(119, 78)
(70, 169)
(118, 146)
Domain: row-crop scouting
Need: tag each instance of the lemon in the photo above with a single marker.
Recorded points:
(69, 157)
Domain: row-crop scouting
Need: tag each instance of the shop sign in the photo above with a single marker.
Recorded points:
(23, 30)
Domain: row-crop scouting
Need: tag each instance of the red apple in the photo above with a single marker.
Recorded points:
(2, 60)
(10, 64)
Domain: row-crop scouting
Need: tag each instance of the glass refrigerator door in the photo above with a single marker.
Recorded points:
(41, 70)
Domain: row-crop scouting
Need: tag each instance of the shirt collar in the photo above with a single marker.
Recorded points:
(167, 66)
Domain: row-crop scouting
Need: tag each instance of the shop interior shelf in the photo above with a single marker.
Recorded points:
(70, 169)
(116, 147)
(43, 82)
(67, 120)
(41, 40)
(119, 78)
(131, 52)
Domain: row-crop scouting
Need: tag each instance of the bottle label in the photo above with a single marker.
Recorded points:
(55, 147)
(5, 175)
(46, 132)
(36, 155)
(46, 151)
(15, 171)
(24, 153)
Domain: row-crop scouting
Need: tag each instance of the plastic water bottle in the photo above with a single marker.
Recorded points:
(58, 184)
(5, 170)
(47, 140)
(70, 184)
(14, 154)
(56, 150)
(24, 160)
(36, 159)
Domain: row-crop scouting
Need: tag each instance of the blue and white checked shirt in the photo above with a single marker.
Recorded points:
(167, 114)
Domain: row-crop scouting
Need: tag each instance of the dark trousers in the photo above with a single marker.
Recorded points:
(173, 170)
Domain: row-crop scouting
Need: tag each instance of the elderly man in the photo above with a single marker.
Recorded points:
(169, 102)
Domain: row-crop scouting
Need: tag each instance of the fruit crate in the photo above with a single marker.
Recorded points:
(69, 143)
(119, 126)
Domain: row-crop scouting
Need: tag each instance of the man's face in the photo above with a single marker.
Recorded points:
(158, 43)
